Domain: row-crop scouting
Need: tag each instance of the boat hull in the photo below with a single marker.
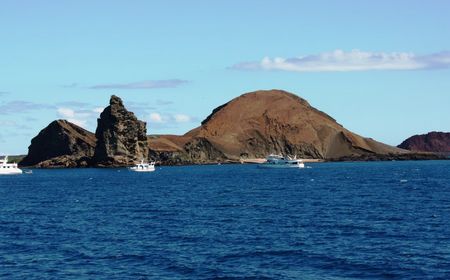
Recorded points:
(265, 165)
(143, 167)
(148, 170)
(11, 172)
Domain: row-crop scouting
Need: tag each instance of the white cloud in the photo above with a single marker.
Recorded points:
(79, 122)
(355, 60)
(155, 118)
(66, 112)
(78, 117)
(168, 120)
(98, 110)
(181, 118)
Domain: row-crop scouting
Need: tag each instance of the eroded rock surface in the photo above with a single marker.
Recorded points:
(61, 144)
(121, 137)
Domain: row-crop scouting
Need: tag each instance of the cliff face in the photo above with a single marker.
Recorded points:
(430, 142)
(121, 137)
(263, 122)
(61, 144)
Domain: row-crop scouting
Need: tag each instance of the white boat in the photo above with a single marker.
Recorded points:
(278, 161)
(143, 167)
(8, 168)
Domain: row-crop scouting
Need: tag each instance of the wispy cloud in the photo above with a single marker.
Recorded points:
(150, 84)
(181, 118)
(168, 119)
(139, 108)
(13, 124)
(72, 85)
(20, 106)
(355, 60)
(160, 102)
(30, 119)
(73, 104)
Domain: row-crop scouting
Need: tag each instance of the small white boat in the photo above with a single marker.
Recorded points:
(8, 168)
(278, 161)
(143, 167)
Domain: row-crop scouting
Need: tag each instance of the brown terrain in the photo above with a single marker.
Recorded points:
(438, 142)
(263, 122)
(248, 127)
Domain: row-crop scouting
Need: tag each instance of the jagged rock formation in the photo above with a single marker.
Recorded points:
(61, 144)
(263, 122)
(250, 126)
(438, 142)
(121, 137)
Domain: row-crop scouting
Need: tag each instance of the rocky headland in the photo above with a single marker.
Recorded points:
(61, 144)
(436, 142)
(252, 125)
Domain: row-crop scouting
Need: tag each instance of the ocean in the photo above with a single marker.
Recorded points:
(365, 220)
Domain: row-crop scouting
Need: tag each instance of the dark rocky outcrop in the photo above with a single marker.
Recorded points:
(61, 144)
(438, 142)
(121, 137)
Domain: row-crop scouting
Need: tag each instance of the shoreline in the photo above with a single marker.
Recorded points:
(251, 162)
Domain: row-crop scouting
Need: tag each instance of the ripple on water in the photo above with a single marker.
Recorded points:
(333, 221)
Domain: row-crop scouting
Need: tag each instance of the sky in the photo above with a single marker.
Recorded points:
(380, 68)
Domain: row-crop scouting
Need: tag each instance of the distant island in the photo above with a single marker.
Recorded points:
(250, 126)
(436, 142)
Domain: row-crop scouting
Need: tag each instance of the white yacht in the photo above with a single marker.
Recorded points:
(278, 161)
(8, 168)
(143, 167)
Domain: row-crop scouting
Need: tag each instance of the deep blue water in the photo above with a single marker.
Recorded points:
(378, 220)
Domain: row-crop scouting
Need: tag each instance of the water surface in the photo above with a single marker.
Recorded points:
(378, 220)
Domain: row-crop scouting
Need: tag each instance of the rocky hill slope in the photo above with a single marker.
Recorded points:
(61, 144)
(431, 142)
(263, 122)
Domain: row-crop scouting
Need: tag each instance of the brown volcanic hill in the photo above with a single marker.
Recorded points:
(61, 144)
(258, 123)
(262, 122)
(430, 142)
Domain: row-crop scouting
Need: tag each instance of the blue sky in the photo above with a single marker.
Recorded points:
(380, 68)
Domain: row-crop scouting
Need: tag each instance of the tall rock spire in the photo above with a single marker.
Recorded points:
(121, 137)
